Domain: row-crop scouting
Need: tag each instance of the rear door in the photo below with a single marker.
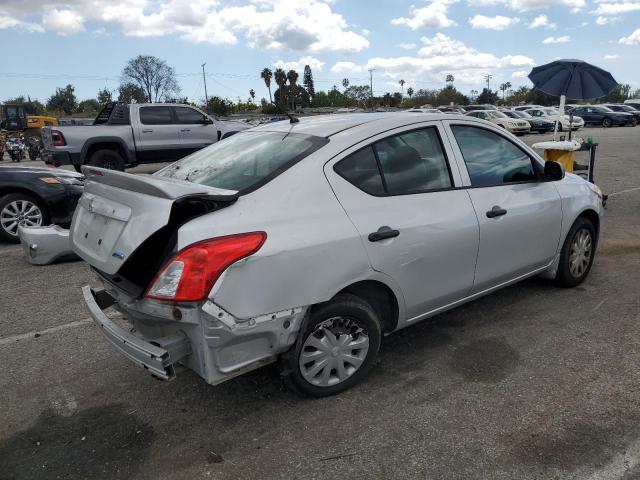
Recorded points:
(196, 129)
(399, 191)
(158, 135)
(520, 215)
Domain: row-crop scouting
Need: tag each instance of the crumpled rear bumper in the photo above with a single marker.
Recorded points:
(45, 245)
(158, 357)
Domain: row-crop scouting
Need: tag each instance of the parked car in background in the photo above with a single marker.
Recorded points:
(522, 108)
(624, 108)
(378, 206)
(634, 102)
(450, 109)
(423, 110)
(539, 125)
(548, 113)
(126, 135)
(604, 116)
(486, 106)
(34, 197)
(515, 126)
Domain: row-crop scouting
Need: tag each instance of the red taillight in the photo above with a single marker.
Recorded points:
(191, 273)
(58, 138)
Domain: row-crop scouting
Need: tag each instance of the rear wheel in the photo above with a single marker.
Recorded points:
(577, 254)
(633, 122)
(335, 349)
(606, 122)
(106, 159)
(20, 209)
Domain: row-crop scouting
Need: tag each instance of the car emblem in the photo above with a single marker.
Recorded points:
(118, 255)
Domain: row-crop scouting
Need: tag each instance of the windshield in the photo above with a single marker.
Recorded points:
(244, 161)
(550, 111)
(495, 114)
(602, 109)
(522, 114)
(627, 108)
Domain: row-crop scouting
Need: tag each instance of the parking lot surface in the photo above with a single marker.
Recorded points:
(530, 382)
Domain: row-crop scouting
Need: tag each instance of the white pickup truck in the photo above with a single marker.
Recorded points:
(126, 135)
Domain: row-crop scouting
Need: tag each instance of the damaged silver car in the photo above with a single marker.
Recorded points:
(305, 242)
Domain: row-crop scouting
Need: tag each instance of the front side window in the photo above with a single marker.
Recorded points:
(155, 115)
(189, 116)
(491, 159)
(244, 161)
(411, 162)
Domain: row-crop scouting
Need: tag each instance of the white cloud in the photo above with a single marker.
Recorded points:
(563, 39)
(434, 15)
(527, 5)
(616, 8)
(584, 24)
(11, 22)
(298, 65)
(407, 46)
(611, 57)
(346, 67)
(607, 20)
(303, 25)
(519, 74)
(498, 22)
(633, 39)
(542, 21)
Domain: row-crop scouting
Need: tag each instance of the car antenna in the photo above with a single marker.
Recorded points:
(292, 118)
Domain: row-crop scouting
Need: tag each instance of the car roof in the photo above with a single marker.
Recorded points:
(328, 125)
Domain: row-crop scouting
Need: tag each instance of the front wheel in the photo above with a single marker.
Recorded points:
(335, 349)
(578, 251)
(606, 122)
(19, 209)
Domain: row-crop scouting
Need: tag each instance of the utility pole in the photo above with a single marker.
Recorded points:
(371, 85)
(488, 78)
(206, 97)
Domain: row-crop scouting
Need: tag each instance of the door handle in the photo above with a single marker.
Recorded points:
(383, 233)
(185, 130)
(147, 131)
(496, 211)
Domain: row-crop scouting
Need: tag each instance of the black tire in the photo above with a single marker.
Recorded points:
(633, 122)
(606, 122)
(559, 127)
(565, 277)
(106, 159)
(346, 307)
(13, 197)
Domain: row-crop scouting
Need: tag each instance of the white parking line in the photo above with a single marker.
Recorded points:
(30, 335)
(624, 191)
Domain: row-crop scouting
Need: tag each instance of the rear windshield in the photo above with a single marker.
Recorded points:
(244, 161)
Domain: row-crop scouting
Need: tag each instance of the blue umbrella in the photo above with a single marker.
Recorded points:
(572, 78)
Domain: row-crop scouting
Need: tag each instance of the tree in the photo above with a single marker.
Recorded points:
(63, 100)
(104, 96)
(31, 107)
(252, 94)
(131, 93)
(519, 97)
(402, 82)
(504, 87)
(618, 95)
(345, 83)
(307, 81)
(220, 106)
(488, 96)
(410, 92)
(266, 75)
(449, 79)
(292, 76)
(153, 75)
(281, 78)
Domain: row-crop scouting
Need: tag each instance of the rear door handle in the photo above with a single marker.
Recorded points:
(496, 211)
(147, 131)
(383, 233)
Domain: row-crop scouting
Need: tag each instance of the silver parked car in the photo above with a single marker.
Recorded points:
(305, 242)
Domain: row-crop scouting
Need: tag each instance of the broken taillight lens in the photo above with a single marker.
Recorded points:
(192, 272)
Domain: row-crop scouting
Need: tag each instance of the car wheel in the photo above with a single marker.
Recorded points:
(577, 254)
(335, 349)
(606, 122)
(20, 209)
(634, 122)
(106, 159)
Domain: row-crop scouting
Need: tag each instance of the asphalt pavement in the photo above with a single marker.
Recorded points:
(530, 382)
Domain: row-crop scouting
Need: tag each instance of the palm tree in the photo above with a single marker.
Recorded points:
(281, 78)
(402, 82)
(252, 94)
(410, 92)
(266, 75)
(449, 78)
(292, 76)
(507, 86)
(474, 94)
(345, 83)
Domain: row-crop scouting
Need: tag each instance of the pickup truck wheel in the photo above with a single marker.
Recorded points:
(106, 159)
(577, 254)
(335, 349)
(20, 209)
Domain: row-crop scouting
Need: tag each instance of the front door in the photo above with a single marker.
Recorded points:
(158, 135)
(196, 131)
(520, 215)
(399, 192)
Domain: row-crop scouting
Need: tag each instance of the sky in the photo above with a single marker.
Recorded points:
(49, 43)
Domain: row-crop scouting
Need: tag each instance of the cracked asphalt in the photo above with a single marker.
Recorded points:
(532, 382)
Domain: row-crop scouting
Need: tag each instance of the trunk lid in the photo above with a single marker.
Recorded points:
(119, 211)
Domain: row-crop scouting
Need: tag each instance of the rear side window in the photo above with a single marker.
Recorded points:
(412, 162)
(188, 116)
(155, 115)
(491, 159)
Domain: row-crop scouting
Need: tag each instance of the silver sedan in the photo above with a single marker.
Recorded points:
(305, 242)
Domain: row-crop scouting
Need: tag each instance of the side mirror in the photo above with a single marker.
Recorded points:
(553, 171)
(207, 121)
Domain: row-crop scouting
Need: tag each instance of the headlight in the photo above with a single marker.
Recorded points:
(63, 180)
(512, 124)
(595, 189)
